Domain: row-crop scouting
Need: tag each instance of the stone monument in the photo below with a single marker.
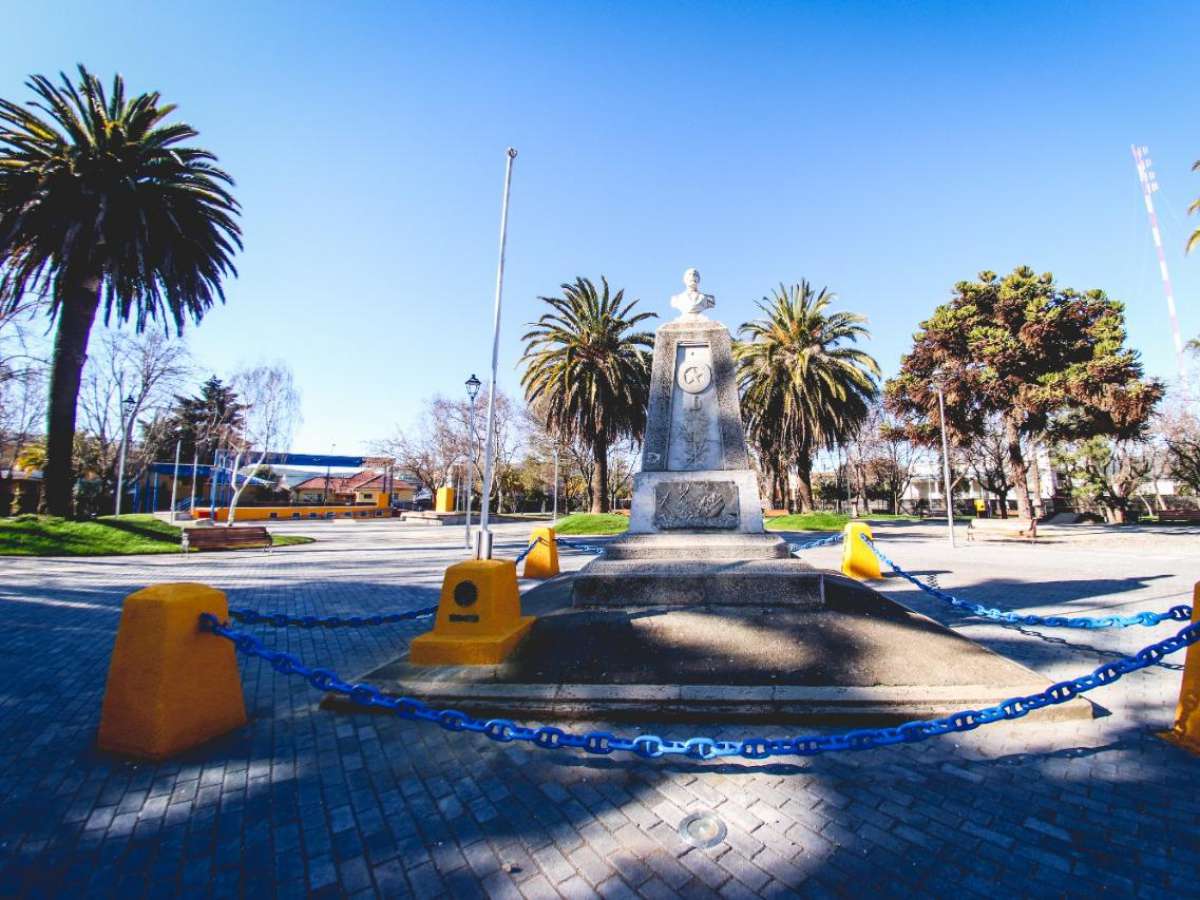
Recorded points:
(696, 529)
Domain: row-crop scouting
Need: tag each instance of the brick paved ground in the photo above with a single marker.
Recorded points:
(303, 801)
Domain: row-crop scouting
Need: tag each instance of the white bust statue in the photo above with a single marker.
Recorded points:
(692, 303)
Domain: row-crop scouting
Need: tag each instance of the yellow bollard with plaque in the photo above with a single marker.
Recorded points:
(857, 559)
(445, 500)
(542, 561)
(479, 620)
(1186, 732)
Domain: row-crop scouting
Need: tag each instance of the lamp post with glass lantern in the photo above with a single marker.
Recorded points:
(127, 406)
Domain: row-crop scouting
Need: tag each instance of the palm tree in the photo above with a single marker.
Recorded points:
(802, 388)
(100, 203)
(1194, 239)
(587, 374)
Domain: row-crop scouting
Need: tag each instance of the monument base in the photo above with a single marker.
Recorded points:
(861, 660)
(698, 568)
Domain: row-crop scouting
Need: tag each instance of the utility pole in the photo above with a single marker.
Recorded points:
(1149, 185)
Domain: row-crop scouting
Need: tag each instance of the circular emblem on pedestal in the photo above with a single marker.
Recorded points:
(694, 377)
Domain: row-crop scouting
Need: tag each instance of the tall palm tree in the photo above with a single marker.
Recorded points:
(588, 373)
(802, 388)
(1194, 239)
(101, 204)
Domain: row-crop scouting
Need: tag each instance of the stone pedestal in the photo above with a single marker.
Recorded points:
(695, 528)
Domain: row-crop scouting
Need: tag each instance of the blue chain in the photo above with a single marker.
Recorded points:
(580, 546)
(282, 620)
(528, 550)
(835, 538)
(651, 746)
(1175, 613)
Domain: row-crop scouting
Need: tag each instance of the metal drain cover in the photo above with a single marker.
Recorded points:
(703, 829)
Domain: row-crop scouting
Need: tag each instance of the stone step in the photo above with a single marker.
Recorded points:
(704, 546)
(658, 582)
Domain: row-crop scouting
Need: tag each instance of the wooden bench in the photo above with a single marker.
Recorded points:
(222, 538)
(1179, 515)
(774, 513)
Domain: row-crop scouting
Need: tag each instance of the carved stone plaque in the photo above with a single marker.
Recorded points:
(695, 439)
(696, 504)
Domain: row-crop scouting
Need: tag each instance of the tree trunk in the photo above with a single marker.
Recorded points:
(804, 482)
(75, 318)
(1035, 479)
(1020, 472)
(600, 475)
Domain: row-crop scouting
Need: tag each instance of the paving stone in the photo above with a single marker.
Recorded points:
(302, 801)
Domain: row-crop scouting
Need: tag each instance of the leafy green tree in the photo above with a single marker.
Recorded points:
(587, 372)
(804, 387)
(205, 421)
(1047, 360)
(1107, 472)
(101, 204)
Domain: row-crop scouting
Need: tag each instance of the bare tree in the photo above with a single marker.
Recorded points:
(147, 369)
(881, 459)
(988, 460)
(446, 435)
(271, 413)
(22, 393)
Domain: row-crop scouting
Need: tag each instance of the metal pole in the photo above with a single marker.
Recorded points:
(192, 495)
(483, 547)
(121, 466)
(946, 466)
(469, 479)
(555, 519)
(464, 487)
(175, 478)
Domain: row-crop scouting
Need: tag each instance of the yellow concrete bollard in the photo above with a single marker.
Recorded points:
(479, 619)
(857, 559)
(170, 685)
(1186, 732)
(445, 500)
(542, 561)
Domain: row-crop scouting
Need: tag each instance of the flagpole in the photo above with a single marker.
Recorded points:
(483, 538)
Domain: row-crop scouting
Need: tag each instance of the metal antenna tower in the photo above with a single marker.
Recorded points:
(1149, 186)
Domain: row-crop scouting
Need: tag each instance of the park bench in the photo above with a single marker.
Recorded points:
(1179, 515)
(774, 513)
(244, 538)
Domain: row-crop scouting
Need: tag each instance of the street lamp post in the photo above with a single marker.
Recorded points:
(483, 547)
(938, 386)
(472, 385)
(555, 519)
(127, 406)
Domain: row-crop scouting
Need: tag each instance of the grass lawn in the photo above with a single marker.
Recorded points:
(828, 521)
(592, 523)
(106, 536)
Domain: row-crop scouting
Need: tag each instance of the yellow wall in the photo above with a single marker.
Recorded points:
(297, 513)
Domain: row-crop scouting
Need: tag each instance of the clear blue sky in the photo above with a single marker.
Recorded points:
(884, 150)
